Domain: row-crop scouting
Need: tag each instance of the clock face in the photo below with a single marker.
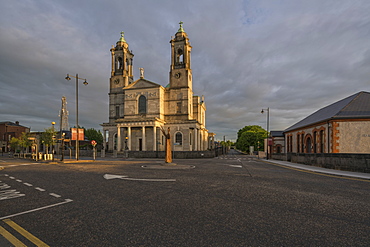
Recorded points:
(177, 75)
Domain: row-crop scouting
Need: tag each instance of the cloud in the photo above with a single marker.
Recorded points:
(291, 56)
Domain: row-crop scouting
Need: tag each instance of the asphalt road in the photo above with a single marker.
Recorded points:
(228, 201)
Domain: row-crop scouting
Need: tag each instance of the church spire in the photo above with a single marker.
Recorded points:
(122, 39)
(181, 29)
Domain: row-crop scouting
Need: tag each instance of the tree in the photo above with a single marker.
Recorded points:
(228, 143)
(14, 143)
(21, 142)
(252, 135)
(93, 134)
(48, 137)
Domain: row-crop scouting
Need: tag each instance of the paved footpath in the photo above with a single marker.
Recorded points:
(320, 169)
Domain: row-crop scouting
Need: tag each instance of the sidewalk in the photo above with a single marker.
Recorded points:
(320, 169)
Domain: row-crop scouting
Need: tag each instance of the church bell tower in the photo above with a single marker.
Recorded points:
(122, 60)
(180, 71)
(121, 76)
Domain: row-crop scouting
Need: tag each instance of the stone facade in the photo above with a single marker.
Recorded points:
(138, 110)
(343, 127)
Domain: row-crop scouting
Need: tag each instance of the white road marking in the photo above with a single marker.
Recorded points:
(37, 209)
(12, 177)
(18, 180)
(27, 184)
(110, 176)
(39, 189)
(4, 186)
(150, 179)
(55, 195)
(238, 166)
(10, 194)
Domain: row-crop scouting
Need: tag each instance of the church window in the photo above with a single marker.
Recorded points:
(117, 111)
(178, 107)
(142, 104)
(178, 138)
(180, 56)
(119, 63)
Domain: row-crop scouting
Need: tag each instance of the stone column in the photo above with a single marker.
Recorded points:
(113, 64)
(119, 141)
(143, 136)
(129, 138)
(154, 138)
(195, 139)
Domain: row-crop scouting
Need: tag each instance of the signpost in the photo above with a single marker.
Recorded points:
(93, 143)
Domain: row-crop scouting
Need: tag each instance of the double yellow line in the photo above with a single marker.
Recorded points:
(16, 242)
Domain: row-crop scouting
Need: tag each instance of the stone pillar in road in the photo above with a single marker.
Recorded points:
(168, 145)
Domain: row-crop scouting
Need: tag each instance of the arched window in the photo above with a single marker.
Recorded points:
(180, 56)
(308, 144)
(178, 138)
(119, 63)
(321, 141)
(142, 104)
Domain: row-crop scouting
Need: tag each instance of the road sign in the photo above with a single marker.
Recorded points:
(93, 142)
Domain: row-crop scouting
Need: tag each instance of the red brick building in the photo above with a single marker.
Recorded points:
(8, 130)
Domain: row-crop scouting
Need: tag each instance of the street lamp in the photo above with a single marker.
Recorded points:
(68, 78)
(53, 140)
(268, 123)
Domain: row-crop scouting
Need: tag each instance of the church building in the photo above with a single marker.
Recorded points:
(139, 109)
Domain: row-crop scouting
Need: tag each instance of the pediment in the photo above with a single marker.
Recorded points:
(142, 83)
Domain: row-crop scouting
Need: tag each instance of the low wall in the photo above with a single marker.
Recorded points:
(177, 154)
(346, 162)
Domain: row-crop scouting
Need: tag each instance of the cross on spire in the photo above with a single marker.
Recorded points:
(122, 39)
(181, 29)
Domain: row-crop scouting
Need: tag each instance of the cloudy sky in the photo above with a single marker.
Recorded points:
(293, 56)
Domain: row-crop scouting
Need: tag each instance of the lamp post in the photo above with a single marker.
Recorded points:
(53, 140)
(62, 148)
(126, 147)
(268, 123)
(68, 78)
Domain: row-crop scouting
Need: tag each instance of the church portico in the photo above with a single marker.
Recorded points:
(139, 136)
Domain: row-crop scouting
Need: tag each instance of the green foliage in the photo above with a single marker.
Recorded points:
(252, 135)
(47, 136)
(14, 143)
(93, 134)
(228, 143)
(21, 142)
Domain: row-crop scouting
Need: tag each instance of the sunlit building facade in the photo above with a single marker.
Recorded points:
(342, 127)
(139, 109)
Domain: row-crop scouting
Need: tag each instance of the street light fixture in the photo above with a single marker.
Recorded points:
(68, 78)
(268, 123)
